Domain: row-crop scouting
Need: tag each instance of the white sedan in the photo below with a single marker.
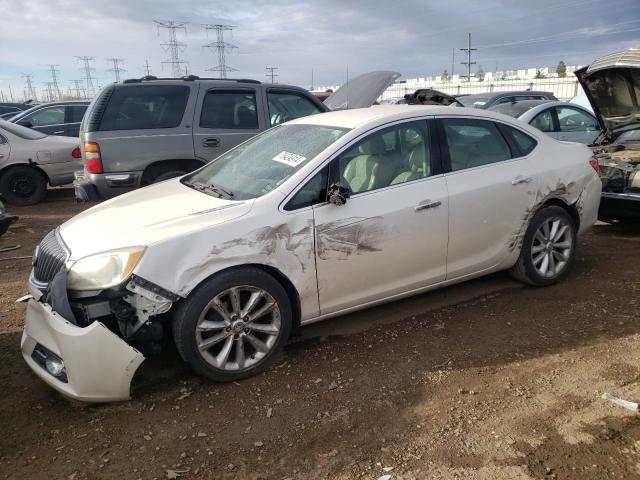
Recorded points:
(317, 217)
(29, 160)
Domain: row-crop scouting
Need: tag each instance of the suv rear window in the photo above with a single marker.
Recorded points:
(144, 107)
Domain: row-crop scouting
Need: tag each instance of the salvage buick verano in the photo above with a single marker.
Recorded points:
(311, 219)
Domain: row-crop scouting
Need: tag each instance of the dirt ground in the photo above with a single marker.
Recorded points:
(486, 380)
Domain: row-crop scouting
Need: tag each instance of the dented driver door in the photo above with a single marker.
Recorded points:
(388, 239)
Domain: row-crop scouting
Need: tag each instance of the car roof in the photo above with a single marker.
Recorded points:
(381, 114)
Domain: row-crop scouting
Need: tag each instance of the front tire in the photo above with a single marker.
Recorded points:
(233, 325)
(548, 248)
(23, 185)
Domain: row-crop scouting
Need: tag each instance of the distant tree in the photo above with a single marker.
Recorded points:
(480, 74)
(539, 74)
(561, 69)
(445, 76)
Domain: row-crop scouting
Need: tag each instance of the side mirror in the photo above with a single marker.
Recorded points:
(25, 123)
(337, 194)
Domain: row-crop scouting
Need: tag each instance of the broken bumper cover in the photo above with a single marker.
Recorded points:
(98, 365)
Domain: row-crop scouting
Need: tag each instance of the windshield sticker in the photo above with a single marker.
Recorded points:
(288, 158)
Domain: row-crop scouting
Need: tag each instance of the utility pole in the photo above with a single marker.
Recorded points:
(117, 69)
(50, 96)
(468, 63)
(54, 79)
(453, 61)
(88, 78)
(147, 68)
(77, 88)
(10, 92)
(28, 87)
(271, 72)
(311, 80)
(220, 46)
(172, 45)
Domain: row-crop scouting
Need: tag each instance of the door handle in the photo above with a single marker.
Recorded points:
(58, 133)
(519, 180)
(211, 142)
(425, 206)
(1, 155)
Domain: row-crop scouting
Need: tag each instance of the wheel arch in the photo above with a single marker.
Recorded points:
(33, 165)
(569, 208)
(153, 168)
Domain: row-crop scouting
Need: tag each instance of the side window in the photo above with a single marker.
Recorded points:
(230, 110)
(312, 193)
(504, 100)
(543, 121)
(46, 116)
(287, 106)
(4, 110)
(75, 113)
(573, 120)
(2, 140)
(387, 157)
(144, 107)
(525, 143)
(473, 143)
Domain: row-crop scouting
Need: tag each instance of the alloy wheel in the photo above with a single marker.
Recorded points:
(551, 247)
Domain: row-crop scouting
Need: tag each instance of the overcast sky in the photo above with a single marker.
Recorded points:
(414, 37)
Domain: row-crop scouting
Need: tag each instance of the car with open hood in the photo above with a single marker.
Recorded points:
(314, 218)
(143, 131)
(612, 85)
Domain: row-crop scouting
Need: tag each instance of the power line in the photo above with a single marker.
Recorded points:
(30, 91)
(88, 78)
(54, 79)
(220, 46)
(172, 45)
(117, 69)
(271, 72)
(468, 63)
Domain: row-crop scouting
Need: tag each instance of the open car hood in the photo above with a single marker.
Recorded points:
(612, 85)
(362, 91)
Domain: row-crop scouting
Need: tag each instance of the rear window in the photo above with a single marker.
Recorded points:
(230, 110)
(525, 143)
(145, 107)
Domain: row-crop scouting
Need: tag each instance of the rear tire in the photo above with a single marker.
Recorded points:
(548, 248)
(215, 330)
(23, 185)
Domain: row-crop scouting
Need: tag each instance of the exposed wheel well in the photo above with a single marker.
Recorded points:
(155, 168)
(289, 288)
(570, 209)
(31, 165)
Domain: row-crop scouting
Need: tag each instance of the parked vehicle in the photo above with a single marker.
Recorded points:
(140, 132)
(6, 219)
(29, 160)
(321, 216)
(55, 118)
(486, 100)
(429, 96)
(612, 84)
(14, 108)
(560, 120)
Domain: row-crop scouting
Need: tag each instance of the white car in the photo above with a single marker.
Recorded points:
(314, 218)
(29, 160)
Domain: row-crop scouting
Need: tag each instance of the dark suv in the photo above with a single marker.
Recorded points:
(144, 131)
(486, 100)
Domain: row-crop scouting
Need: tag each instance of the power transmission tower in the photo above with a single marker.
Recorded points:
(50, 95)
(147, 68)
(54, 79)
(220, 46)
(173, 46)
(271, 73)
(117, 69)
(77, 88)
(88, 78)
(468, 63)
(30, 91)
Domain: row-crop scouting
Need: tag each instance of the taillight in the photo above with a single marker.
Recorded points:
(93, 161)
(593, 161)
(76, 153)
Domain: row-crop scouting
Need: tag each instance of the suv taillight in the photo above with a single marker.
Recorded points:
(93, 161)
(593, 161)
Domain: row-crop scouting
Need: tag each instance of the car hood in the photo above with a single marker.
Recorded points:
(612, 85)
(361, 91)
(147, 216)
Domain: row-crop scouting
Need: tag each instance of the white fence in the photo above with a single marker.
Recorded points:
(562, 88)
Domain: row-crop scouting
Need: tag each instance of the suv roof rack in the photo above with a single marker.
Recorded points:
(189, 78)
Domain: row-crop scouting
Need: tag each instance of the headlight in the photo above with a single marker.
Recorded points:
(104, 270)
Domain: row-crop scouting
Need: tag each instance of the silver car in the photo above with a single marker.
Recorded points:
(31, 160)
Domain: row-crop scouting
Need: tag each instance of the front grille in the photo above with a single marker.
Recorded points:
(50, 258)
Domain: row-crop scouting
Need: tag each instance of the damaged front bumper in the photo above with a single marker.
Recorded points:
(89, 364)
